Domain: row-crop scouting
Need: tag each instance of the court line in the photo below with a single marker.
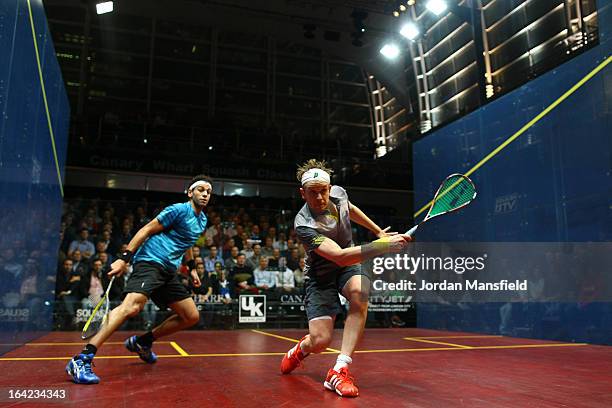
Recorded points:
(529, 124)
(436, 342)
(44, 95)
(457, 337)
(179, 349)
(70, 344)
(288, 339)
(515, 346)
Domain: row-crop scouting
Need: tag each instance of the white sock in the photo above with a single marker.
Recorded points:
(342, 361)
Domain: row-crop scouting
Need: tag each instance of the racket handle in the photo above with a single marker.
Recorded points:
(412, 230)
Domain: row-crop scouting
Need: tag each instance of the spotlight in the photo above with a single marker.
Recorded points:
(402, 7)
(411, 2)
(436, 6)
(390, 51)
(396, 13)
(104, 7)
(410, 31)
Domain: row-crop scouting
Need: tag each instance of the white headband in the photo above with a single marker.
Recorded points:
(316, 175)
(198, 183)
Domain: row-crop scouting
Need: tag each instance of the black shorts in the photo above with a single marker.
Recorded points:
(159, 284)
(322, 291)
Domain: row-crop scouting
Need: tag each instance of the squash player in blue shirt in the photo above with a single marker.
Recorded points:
(155, 253)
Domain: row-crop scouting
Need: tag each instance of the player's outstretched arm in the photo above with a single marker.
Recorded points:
(329, 249)
(362, 219)
(119, 267)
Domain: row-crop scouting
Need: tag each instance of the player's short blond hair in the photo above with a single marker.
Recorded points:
(312, 164)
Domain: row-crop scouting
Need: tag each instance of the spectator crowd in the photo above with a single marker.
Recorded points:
(244, 250)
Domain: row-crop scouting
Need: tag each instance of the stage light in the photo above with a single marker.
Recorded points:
(104, 7)
(396, 13)
(410, 31)
(402, 7)
(390, 51)
(436, 6)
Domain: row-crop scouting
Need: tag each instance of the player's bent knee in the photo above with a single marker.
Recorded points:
(131, 307)
(320, 342)
(357, 296)
(192, 317)
(358, 305)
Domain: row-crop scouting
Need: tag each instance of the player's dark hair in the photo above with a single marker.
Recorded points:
(201, 177)
(312, 164)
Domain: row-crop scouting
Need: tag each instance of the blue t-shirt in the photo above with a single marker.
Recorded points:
(182, 228)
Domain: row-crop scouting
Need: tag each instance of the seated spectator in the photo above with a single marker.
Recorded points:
(238, 237)
(265, 279)
(272, 234)
(100, 247)
(67, 291)
(274, 259)
(82, 244)
(206, 286)
(78, 265)
(231, 261)
(293, 262)
(268, 249)
(124, 237)
(94, 283)
(227, 247)
(247, 250)
(215, 231)
(253, 260)
(225, 288)
(298, 274)
(209, 261)
(205, 247)
(195, 251)
(282, 244)
(255, 233)
(241, 272)
(284, 278)
(218, 268)
(109, 244)
(105, 258)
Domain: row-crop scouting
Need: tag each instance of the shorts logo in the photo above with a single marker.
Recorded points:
(142, 286)
(252, 309)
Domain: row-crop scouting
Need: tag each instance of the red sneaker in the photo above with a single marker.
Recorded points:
(293, 361)
(341, 382)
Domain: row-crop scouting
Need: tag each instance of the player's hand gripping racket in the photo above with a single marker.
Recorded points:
(99, 315)
(455, 192)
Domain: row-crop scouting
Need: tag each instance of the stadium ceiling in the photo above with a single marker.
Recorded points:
(333, 22)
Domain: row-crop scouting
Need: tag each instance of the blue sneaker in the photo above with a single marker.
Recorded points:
(145, 353)
(79, 369)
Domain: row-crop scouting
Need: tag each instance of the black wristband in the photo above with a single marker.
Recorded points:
(126, 256)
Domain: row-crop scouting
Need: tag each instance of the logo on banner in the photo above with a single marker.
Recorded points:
(252, 309)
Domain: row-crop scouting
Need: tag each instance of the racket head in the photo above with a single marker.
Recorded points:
(455, 192)
(97, 319)
(99, 315)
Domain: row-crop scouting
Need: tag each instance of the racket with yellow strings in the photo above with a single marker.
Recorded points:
(455, 192)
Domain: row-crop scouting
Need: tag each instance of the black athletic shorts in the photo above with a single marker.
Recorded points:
(322, 291)
(159, 284)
